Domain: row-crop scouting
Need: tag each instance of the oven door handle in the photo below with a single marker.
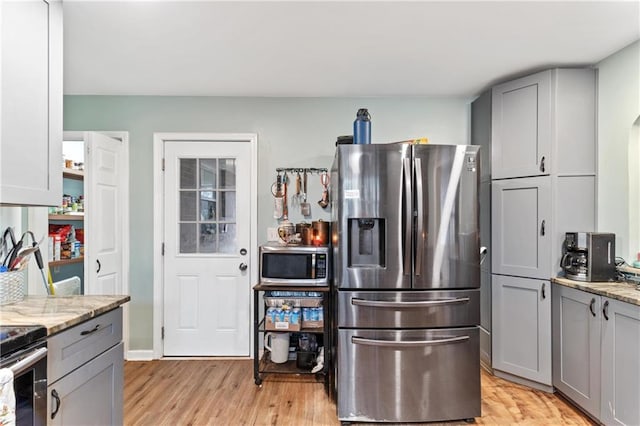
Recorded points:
(414, 304)
(28, 362)
(407, 343)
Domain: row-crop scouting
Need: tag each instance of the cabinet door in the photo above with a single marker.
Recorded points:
(31, 102)
(620, 363)
(521, 227)
(521, 127)
(521, 332)
(576, 346)
(92, 394)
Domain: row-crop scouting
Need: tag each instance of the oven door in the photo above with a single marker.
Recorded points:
(29, 367)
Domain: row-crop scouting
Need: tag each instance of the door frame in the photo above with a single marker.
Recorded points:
(39, 223)
(158, 219)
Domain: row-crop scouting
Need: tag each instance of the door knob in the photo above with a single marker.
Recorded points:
(243, 267)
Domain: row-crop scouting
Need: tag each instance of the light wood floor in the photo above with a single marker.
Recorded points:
(222, 392)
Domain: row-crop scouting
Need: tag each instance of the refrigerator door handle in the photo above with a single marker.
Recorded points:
(413, 304)
(420, 226)
(406, 242)
(407, 343)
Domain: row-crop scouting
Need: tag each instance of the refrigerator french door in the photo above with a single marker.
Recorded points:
(407, 274)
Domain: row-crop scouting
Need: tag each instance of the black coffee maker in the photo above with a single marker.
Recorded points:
(589, 256)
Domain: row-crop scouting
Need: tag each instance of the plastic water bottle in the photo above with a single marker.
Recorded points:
(362, 127)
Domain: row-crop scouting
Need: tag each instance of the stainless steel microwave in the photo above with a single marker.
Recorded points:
(294, 265)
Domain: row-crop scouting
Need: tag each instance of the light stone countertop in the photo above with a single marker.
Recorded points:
(625, 292)
(58, 313)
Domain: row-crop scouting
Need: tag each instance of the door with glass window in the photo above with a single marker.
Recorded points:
(206, 233)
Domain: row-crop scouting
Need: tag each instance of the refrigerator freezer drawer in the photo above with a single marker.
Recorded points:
(409, 375)
(408, 309)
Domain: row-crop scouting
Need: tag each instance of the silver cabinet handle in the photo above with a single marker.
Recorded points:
(592, 305)
(408, 215)
(542, 168)
(605, 310)
(243, 267)
(407, 344)
(420, 227)
(28, 362)
(415, 304)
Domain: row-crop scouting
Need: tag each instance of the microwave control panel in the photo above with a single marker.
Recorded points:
(321, 265)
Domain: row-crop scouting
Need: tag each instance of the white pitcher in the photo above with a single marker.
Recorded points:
(278, 345)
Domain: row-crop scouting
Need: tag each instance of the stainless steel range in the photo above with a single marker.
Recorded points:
(407, 274)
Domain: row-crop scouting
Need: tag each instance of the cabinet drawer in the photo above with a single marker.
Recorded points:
(71, 348)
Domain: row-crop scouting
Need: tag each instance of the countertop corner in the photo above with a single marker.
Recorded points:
(623, 291)
(58, 313)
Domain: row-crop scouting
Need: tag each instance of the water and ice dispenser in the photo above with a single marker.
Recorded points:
(366, 242)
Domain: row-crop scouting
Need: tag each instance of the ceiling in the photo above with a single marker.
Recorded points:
(330, 48)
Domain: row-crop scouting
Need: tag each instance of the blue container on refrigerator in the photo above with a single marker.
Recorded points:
(362, 127)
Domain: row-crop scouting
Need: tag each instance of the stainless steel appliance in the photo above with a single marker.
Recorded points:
(407, 277)
(23, 350)
(282, 264)
(589, 256)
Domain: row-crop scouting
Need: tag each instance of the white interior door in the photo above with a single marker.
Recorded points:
(104, 192)
(207, 288)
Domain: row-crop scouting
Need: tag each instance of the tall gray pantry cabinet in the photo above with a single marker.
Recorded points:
(542, 185)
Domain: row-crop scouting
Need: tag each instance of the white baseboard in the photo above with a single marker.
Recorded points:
(139, 355)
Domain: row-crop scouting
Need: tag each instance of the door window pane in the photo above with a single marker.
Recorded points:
(188, 205)
(207, 205)
(188, 239)
(208, 170)
(188, 167)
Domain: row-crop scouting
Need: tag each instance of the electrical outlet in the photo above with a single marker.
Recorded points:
(272, 234)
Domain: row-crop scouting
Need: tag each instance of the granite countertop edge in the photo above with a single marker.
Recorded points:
(59, 313)
(625, 292)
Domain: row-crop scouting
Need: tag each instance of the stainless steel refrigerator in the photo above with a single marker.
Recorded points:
(406, 278)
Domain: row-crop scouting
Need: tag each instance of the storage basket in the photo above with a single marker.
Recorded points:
(11, 287)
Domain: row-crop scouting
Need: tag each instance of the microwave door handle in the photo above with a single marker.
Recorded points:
(313, 266)
(408, 214)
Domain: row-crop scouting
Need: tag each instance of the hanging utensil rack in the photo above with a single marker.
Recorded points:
(301, 170)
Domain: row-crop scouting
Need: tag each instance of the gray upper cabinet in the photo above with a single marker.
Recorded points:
(576, 346)
(521, 221)
(544, 124)
(31, 102)
(620, 365)
(521, 126)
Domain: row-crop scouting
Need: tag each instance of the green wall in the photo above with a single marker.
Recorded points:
(618, 109)
(292, 132)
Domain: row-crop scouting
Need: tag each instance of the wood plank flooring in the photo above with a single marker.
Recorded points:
(222, 392)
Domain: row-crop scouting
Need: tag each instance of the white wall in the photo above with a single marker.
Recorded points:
(292, 132)
(618, 110)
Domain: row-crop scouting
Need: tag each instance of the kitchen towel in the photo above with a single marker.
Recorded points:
(7, 398)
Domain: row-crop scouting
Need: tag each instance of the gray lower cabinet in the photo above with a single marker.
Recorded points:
(521, 320)
(85, 374)
(576, 346)
(596, 348)
(620, 363)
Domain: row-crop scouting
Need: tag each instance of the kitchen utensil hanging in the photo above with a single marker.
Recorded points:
(324, 181)
(276, 191)
(305, 207)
